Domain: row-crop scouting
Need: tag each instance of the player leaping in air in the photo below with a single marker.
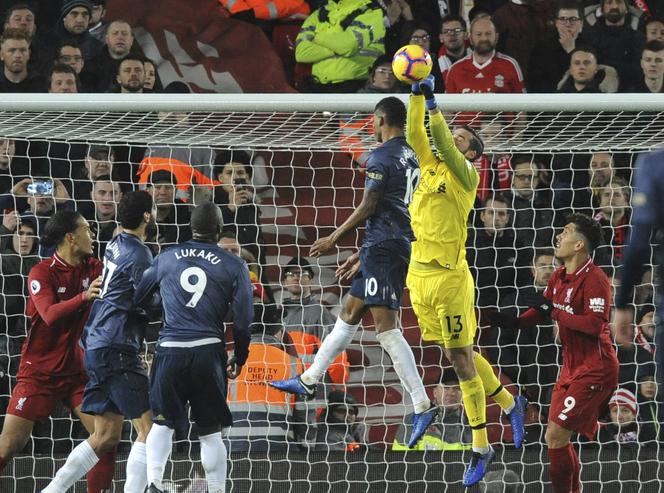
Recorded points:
(392, 177)
(441, 286)
(578, 298)
(118, 385)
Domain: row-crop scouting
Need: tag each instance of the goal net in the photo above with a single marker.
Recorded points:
(298, 172)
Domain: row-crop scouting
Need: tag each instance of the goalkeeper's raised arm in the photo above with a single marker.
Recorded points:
(454, 151)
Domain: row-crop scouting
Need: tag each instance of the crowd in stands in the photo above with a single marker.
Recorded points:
(346, 46)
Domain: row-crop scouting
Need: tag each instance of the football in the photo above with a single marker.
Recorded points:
(411, 63)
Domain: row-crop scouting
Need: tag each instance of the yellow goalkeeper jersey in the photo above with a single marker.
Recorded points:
(446, 193)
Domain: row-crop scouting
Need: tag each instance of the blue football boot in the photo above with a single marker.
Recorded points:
(517, 419)
(421, 422)
(295, 386)
(478, 467)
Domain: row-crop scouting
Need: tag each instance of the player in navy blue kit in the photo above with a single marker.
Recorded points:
(118, 384)
(648, 217)
(199, 284)
(393, 174)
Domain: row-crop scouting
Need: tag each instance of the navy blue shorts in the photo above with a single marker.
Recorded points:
(118, 383)
(382, 275)
(190, 375)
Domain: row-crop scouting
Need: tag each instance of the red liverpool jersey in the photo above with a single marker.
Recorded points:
(500, 74)
(57, 312)
(582, 303)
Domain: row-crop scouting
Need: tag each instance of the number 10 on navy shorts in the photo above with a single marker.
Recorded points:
(382, 275)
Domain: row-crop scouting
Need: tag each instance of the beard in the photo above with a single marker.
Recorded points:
(132, 86)
(614, 15)
(484, 48)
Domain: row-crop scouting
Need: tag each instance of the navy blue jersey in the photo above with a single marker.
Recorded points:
(200, 285)
(393, 170)
(648, 215)
(125, 260)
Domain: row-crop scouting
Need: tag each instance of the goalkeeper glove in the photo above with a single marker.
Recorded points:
(541, 304)
(415, 89)
(426, 86)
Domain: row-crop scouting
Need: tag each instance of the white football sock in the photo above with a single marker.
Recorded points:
(335, 342)
(137, 470)
(395, 344)
(158, 447)
(79, 462)
(213, 458)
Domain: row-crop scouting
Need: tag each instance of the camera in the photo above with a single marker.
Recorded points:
(40, 188)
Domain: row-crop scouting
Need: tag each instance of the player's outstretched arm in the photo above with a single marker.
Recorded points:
(416, 132)
(366, 208)
(443, 141)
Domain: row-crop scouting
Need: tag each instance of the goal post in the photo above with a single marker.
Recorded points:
(307, 159)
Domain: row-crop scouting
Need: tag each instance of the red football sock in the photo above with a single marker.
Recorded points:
(576, 478)
(3, 463)
(100, 477)
(561, 470)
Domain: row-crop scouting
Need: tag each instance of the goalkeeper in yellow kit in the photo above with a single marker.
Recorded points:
(441, 287)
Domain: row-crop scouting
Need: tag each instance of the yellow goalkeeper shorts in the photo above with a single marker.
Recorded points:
(443, 301)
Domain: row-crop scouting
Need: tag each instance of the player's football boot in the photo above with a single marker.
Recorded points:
(518, 418)
(154, 489)
(295, 386)
(478, 467)
(421, 422)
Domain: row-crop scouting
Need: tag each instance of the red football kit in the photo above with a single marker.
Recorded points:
(51, 368)
(582, 303)
(499, 74)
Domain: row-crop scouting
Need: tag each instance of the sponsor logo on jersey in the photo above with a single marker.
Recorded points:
(568, 295)
(499, 81)
(562, 416)
(35, 286)
(374, 176)
(565, 308)
(62, 289)
(479, 75)
(20, 403)
(597, 304)
(86, 283)
(442, 188)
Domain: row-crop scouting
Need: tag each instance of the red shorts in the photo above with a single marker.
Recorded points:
(35, 399)
(578, 405)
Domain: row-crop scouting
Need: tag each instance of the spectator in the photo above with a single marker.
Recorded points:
(152, 81)
(69, 53)
(172, 214)
(261, 12)
(341, 41)
(601, 170)
(491, 251)
(645, 330)
(585, 75)
(623, 428)
(520, 25)
(228, 242)
(22, 16)
(631, 358)
(654, 30)
(450, 430)
(62, 79)
(306, 320)
(118, 44)
(528, 357)
(453, 42)
(613, 215)
(651, 407)
(105, 196)
(338, 428)
(550, 58)
(18, 254)
(420, 33)
(97, 26)
(485, 69)
(74, 25)
(235, 197)
(533, 208)
(652, 69)
(131, 75)
(264, 419)
(15, 54)
(503, 481)
(381, 79)
(617, 43)
(7, 169)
